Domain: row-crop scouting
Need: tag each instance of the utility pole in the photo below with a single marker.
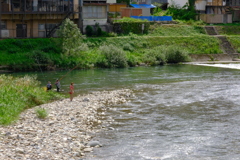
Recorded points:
(80, 17)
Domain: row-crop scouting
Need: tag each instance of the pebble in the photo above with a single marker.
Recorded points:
(64, 133)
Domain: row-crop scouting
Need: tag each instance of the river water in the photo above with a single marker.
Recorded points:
(179, 112)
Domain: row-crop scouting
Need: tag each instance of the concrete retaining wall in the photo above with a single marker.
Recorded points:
(212, 57)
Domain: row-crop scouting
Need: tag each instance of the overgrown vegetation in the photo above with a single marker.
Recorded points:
(228, 30)
(235, 41)
(176, 30)
(187, 12)
(128, 49)
(18, 94)
(128, 25)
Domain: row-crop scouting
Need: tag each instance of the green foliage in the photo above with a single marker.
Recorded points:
(193, 44)
(71, 38)
(158, 12)
(40, 57)
(165, 54)
(98, 30)
(154, 56)
(41, 113)
(128, 19)
(176, 30)
(187, 12)
(134, 27)
(112, 57)
(235, 41)
(18, 94)
(124, 1)
(132, 60)
(176, 54)
(191, 22)
(228, 30)
(89, 31)
(127, 25)
(128, 47)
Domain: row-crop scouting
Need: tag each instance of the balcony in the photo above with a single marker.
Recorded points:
(46, 7)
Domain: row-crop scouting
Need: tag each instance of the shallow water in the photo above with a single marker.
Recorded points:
(178, 112)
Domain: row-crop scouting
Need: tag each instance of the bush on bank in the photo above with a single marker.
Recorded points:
(122, 51)
(117, 51)
(18, 94)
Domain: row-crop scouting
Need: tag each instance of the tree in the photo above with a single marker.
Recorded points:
(124, 1)
(191, 3)
(71, 38)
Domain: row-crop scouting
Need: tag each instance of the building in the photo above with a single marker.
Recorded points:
(33, 18)
(41, 18)
(214, 11)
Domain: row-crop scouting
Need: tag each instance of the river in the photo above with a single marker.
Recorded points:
(179, 112)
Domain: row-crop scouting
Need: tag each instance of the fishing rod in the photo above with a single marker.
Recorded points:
(69, 72)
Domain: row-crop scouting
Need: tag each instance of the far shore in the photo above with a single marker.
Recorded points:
(67, 131)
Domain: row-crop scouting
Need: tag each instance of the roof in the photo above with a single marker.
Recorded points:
(143, 5)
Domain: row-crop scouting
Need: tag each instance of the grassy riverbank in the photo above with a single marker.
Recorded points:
(163, 44)
(18, 94)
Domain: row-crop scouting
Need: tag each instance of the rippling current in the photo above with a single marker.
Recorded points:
(179, 112)
(182, 114)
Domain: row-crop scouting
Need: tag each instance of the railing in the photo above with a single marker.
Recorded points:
(8, 8)
(92, 15)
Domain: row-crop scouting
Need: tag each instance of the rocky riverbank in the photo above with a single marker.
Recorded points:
(65, 134)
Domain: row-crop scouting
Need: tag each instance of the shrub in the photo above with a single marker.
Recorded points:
(98, 29)
(132, 60)
(13, 50)
(89, 31)
(154, 56)
(113, 57)
(50, 49)
(40, 57)
(176, 54)
(128, 47)
(187, 12)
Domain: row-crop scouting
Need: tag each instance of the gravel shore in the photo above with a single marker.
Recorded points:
(64, 134)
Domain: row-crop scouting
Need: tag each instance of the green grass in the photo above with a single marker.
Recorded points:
(228, 30)
(176, 30)
(235, 41)
(26, 54)
(41, 113)
(18, 94)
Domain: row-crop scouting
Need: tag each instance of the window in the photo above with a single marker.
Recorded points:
(41, 30)
(3, 25)
(44, 29)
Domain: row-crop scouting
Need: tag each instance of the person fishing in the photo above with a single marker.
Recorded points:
(49, 86)
(71, 91)
(58, 85)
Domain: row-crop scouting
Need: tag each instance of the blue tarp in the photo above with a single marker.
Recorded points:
(143, 5)
(154, 18)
